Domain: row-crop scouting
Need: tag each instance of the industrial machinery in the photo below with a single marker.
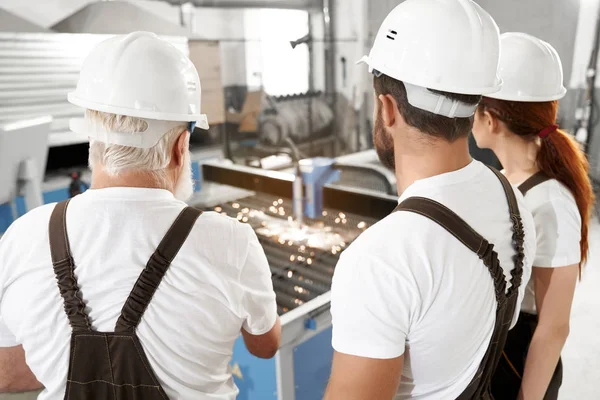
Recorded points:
(364, 170)
(302, 257)
(267, 124)
(23, 152)
(301, 117)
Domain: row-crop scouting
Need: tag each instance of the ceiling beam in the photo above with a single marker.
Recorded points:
(285, 4)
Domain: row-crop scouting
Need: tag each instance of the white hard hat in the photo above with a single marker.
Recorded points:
(531, 70)
(446, 45)
(138, 75)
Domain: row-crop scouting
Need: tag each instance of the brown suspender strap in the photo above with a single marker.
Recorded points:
(518, 234)
(513, 205)
(462, 231)
(445, 217)
(479, 388)
(155, 270)
(532, 182)
(64, 269)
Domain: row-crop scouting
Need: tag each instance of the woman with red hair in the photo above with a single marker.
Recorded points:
(519, 125)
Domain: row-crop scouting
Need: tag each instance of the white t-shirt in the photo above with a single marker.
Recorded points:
(558, 230)
(218, 283)
(407, 286)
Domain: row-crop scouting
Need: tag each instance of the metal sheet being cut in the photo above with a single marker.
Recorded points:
(302, 258)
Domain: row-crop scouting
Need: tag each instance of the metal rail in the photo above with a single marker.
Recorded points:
(362, 202)
(269, 182)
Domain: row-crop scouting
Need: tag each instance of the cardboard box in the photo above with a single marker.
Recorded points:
(213, 105)
(248, 118)
(206, 56)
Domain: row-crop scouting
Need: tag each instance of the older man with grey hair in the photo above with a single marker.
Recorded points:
(125, 292)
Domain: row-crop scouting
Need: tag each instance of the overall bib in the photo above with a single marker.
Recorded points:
(507, 380)
(480, 386)
(112, 366)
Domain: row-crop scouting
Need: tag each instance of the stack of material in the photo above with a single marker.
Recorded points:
(206, 56)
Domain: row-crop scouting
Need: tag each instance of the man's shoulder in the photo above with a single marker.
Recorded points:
(32, 220)
(29, 230)
(398, 231)
(221, 240)
(222, 226)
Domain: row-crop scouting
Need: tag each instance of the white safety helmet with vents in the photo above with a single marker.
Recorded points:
(138, 75)
(445, 45)
(530, 68)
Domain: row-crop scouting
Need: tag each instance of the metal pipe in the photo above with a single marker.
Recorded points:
(330, 65)
(329, 33)
(298, 196)
(311, 79)
(298, 186)
(311, 56)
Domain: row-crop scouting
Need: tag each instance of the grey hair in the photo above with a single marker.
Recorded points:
(116, 159)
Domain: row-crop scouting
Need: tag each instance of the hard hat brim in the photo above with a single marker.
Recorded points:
(430, 85)
(147, 139)
(202, 122)
(138, 113)
(528, 99)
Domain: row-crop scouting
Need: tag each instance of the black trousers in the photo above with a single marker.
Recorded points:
(507, 379)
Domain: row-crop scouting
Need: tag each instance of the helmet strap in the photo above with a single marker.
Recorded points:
(143, 140)
(438, 104)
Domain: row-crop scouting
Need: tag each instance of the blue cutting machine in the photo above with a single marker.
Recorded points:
(301, 368)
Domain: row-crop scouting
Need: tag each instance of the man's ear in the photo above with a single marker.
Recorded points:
(180, 148)
(389, 110)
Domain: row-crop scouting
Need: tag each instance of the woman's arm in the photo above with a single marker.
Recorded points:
(554, 290)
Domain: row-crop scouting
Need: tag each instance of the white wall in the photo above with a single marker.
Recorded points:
(271, 62)
(588, 12)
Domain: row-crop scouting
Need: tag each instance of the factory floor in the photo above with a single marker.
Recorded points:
(581, 356)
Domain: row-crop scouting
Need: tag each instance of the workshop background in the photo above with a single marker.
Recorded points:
(279, 85)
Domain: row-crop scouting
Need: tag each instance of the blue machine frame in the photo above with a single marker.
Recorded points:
(301, 368)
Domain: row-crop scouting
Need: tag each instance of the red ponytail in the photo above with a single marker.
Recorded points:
(559, 157)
